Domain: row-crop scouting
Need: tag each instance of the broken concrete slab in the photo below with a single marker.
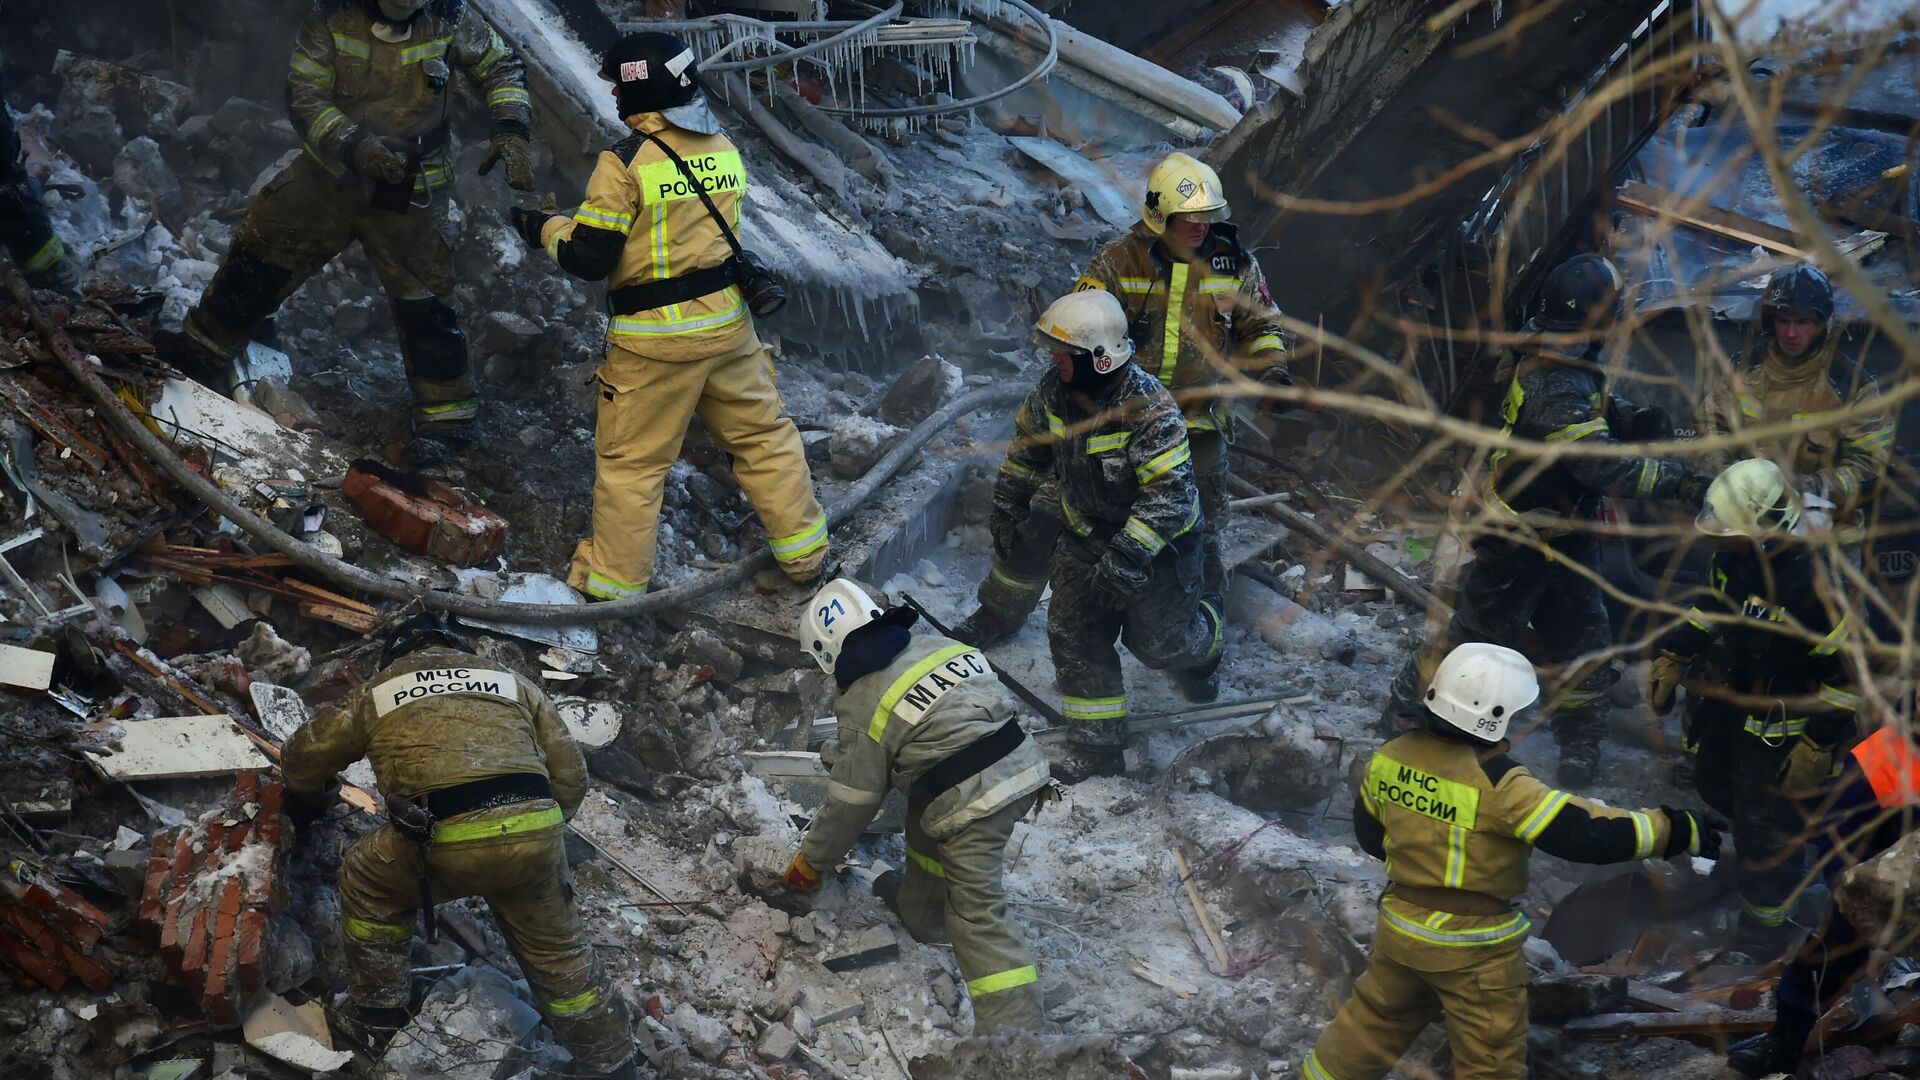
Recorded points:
(30, 669)
(1108, 192)
(1056, 1057)
(874, 945)
(777, 1043)
(530, 589)
(704, 648)
(295, 1034)
(181, 747)
(1878, 896)
(919, 392)
(227, 604)
(280, 709)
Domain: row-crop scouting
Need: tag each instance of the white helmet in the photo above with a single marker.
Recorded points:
(835, 612)
(1090, 321)
(1479, 687)
(1751, 498)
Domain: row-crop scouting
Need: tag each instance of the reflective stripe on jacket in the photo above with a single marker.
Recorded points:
(1845, 457)
(936, 698)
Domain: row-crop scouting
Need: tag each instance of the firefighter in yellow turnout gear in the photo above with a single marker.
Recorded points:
(1197, 306)
(1455, 819)
(681, 339)
(487, 756)
(926, 714)
(368, 90)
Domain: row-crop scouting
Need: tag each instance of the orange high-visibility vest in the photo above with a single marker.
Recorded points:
(1889, 763)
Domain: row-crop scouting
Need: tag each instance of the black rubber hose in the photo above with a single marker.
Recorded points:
(345, 574)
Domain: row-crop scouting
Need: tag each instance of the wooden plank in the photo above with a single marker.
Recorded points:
(1705, 1024)
(1665, 204)
(332, 598)
(339, 616)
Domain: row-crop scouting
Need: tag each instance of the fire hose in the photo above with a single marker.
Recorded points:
(308, 557)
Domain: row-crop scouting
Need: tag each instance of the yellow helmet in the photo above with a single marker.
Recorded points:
(1182, 184)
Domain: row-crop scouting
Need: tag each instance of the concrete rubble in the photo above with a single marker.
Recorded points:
(161, 918)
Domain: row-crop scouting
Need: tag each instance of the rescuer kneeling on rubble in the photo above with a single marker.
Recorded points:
(368, 89)
(1873, 803)
(1197, 301)
(1127, 567)
(479, 775)
(925, 714)
(681, 339)
(1768, 734)
(1543, 575)
(1455, 818)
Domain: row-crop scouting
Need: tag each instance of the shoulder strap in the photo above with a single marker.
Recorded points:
(694, 182)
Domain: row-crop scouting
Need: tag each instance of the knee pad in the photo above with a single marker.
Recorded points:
(430, 335)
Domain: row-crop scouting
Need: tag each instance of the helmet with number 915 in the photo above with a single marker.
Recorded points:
(1478, 688)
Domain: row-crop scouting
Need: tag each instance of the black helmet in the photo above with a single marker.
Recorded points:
(1577, 293)
(654, 72)
(1800, 287)
(422, 630)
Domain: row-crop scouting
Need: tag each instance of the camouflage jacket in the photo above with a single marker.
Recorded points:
(345, 83)
(436, 718)
(1558, 400)
(1845, 459)
(1122, 463)
(1190, 321)
(936, 698)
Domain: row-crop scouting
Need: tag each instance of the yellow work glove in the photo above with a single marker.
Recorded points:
(1663, 678)
(1807, 767)
(512, 148)
(801, 876)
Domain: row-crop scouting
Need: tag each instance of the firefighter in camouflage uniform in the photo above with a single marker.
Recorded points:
(1767, 733)
(1456, 820)
(488, 759)
(369, 91)
(1556, 397)
(1198, 307)
(1127, 565)
(24, 228)
(925, 714)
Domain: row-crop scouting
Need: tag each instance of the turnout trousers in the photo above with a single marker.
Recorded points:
(645, 407)
(1168, 624)
(302, 219)
(1012, 588)
(1481, 991)
(1509, 586)
(513, 858)
(953, 891)
(1736, 774)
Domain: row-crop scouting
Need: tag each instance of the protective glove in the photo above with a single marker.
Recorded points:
(303, 812)
(514, 149)
(1663, 678)
(1005, 529)
(801, 876)
(375, 160)
(1116, 579)
(529, 224)
(1806, 768)
(1691, 832)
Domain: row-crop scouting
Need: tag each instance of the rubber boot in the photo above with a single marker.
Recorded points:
(1082, 762)
(371, 1028)
(1764, 944)
(437, 443)
(194, 360)
(1775, 1051)
(1199, 685)
(1579, 764)
(983, 629)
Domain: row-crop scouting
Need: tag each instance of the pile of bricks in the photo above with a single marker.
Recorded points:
(213, 886)
(50, 935)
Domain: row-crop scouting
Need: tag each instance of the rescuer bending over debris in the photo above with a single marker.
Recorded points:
(1196, 297)
(1455, 818)
(368, 90)
(1110, 439)
(479, 775)
(681, 339)
(925, 714)
(1544, 576)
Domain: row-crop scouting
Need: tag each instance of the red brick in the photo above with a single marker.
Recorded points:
(213, 848)
(219, 993)
(94, 975)
(194, 957)
(249, 949)
(153, 897)
(237, 834)
(61, 907)
(273, 803)
(229, 902)
(246, 788)
(438, 522)
(23, 958)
